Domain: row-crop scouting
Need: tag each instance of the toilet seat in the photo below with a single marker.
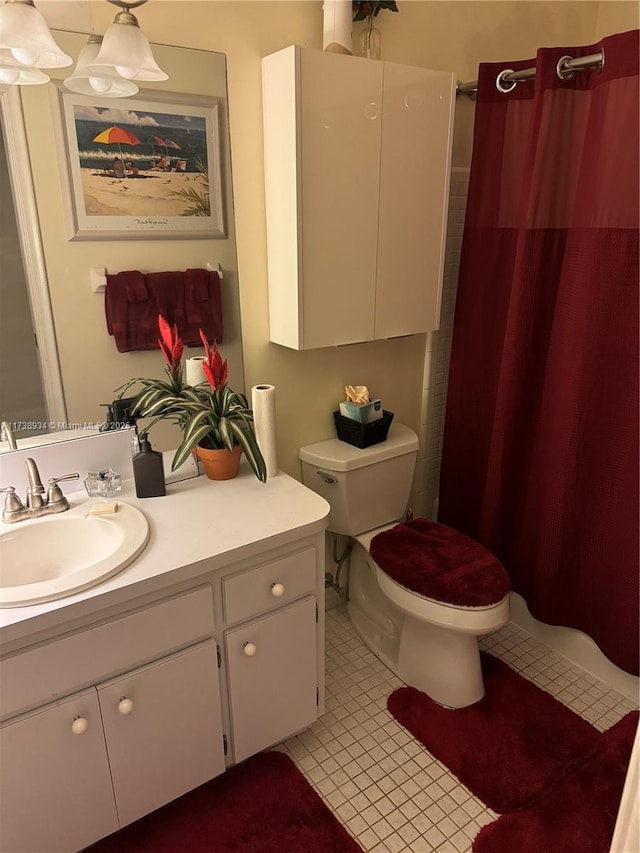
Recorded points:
(440, 564)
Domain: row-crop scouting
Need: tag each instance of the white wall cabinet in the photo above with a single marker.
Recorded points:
(357, 164)
(150, 705)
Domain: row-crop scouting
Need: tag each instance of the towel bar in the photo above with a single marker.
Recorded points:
(98, 276)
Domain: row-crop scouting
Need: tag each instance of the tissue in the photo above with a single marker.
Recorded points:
(357, 393)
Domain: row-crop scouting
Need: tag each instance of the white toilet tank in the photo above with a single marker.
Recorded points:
(367, 487)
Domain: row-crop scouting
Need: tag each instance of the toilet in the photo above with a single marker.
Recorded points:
(431, 592)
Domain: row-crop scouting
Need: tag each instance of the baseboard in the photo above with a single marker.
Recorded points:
(576, 647)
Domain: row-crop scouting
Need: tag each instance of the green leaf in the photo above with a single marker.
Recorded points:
(247, 440)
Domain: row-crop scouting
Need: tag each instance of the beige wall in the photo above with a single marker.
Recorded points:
(442, 35)
(617, 16)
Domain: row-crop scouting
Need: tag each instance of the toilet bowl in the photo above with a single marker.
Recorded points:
(419, 607)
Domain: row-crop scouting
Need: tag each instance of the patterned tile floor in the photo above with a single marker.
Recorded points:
(388, 791)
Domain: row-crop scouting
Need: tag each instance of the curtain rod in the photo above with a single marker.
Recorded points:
(566, 68)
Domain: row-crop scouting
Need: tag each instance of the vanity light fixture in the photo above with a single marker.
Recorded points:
(109, 85)
(26, 45)
(125, 49)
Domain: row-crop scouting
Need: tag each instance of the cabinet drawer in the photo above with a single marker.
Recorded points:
(269, 585)
(63, 666)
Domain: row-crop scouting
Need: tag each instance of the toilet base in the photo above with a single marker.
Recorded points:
(443, 663)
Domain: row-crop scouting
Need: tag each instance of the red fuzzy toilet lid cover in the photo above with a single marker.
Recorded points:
(438, 562)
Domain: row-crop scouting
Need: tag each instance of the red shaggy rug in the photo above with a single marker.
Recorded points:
(264, 805)
(511, 747)
(580, 814)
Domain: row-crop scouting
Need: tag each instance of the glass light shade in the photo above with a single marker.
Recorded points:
(126, 49)
(21, 75)
(14, 73)
(24, 31)
(109, 85)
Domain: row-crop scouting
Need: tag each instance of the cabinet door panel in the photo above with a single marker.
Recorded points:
(273, 692)
(414, 184)
(340, 102)
(55, 787)
(171, 739)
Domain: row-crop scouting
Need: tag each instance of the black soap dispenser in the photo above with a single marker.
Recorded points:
(148, 471)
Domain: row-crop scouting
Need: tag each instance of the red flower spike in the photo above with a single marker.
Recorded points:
(215, 369)
(170, 343)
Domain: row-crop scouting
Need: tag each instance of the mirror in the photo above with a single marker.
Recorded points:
(57, 270)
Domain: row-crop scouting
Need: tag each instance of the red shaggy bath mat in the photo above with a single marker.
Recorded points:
(580, 814)
(264, 805)
(511, 747)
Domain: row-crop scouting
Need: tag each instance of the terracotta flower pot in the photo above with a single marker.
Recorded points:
(220, 464)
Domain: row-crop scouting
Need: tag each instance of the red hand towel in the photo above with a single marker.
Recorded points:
(131, 315)
(203, 307)
(168, 290)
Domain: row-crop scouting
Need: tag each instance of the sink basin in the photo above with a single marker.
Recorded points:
(50, 557)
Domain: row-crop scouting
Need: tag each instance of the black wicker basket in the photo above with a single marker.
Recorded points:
(363, 435)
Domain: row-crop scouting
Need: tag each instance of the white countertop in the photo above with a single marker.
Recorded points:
(219, 522)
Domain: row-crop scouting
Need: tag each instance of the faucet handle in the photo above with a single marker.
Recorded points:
(54, 493)
(12, 502)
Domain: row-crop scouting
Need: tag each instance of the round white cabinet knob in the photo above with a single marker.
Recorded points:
(277, 590)
(125, 706)
(79, 725)
(249, 649)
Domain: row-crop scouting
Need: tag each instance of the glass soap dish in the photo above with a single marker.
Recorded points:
(103, 484)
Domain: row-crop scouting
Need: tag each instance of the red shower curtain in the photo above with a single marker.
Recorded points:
(540, 456)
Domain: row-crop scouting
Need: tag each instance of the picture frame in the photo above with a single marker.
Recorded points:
(147, 167)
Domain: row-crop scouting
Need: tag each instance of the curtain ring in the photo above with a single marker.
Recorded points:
(503, 85)
(562, 72)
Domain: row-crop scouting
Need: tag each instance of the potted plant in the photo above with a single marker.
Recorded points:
(211, 416)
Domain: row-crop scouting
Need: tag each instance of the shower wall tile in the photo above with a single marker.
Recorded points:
(437, 356)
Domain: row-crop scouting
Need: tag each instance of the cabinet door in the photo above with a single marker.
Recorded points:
(272, 677)
(163, 729)
(55, 787)
(417, 125)
(340, 130)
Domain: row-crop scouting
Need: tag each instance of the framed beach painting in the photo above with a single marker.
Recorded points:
(141, 168)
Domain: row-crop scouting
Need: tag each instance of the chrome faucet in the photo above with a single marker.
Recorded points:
(6, 434)
(35, 490)
(37, 502)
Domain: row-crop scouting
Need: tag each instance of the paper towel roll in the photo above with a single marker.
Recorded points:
(195, 373)
(263, 403)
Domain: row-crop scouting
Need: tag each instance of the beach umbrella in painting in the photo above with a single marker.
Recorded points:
(162, 142)
(115, 135)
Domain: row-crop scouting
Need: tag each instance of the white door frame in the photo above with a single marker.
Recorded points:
(19, 166)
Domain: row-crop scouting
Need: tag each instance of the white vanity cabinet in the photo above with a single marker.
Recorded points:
(126, 746)
(357, 164)
(272, 660)
(84, 767)
(115, 704)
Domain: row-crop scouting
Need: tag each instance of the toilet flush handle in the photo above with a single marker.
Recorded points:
(326, 477)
